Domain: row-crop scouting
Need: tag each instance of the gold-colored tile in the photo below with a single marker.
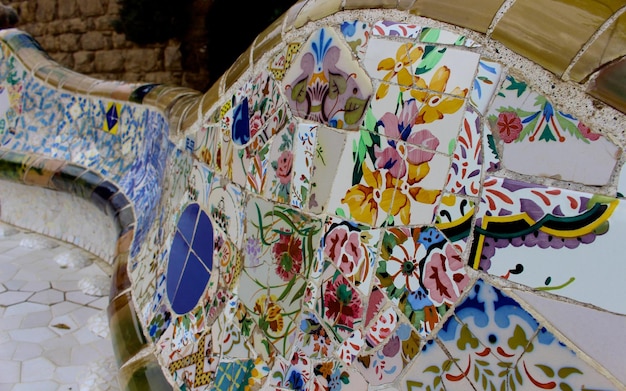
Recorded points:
(41, 172)
(190, 116)
(152, 97)
(316, 10)
(210, 98)
(610, 45)
(292, 14)
(238, 68)
(126, 334)
(358, 4)
(120, 281)
(143, 374)
(169, 95)
(473, 14)
(552, 32)
(609, 85)
(261, 48)
(78, 83)
(405, 4)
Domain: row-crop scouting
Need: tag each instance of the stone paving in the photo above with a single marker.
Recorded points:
(53, 327)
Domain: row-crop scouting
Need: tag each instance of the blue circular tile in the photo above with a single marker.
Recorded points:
(191, 259)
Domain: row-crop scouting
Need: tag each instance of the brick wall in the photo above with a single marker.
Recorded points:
(79, 34)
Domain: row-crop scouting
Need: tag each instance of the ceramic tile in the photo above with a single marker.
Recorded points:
(532, 41)
(281, 159)
(282, 61)
(466, 170)
(454, 219)
(574, 322)
(304, 154)
(487, 336)
(543, 266)
(475, 15)
(353, 249)
(282, 262)
(228, 339)
(401, 115)
(531, 129)
(226, 209)
(350, 348)
(607, 47)
(356, 34)
(485, 84)
(332, 375)
(391, 61)
(384, 365)
(340, 306)
(329, 149)
(548, 361)
(601, 86)
(431, 370)
(314, 230)
(421, 273)
(363, 184)
(312, 339)
(445, 37)
(323, 62)
(407, 190)
(395, 29)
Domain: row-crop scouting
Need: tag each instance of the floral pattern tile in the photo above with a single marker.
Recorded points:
(357, 34)
(350, 183)
(531, 130)
(485, 84)
(422, 273)
(466, 168)
(493, 342)
(325, 84)
(396, 29)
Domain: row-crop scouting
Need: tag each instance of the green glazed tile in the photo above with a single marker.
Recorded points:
(551, 32)
(126, 334)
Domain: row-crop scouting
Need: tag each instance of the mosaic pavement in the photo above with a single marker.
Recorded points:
(53, 336)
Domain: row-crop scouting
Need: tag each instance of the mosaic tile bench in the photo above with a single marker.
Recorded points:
(370, 198)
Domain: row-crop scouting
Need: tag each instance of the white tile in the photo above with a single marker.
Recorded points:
(14, 284)
(575, 322)
(85, 336)
(36, 319)
(47, 385)
(36, 335)
(25, 308)
(63, 324)
(9, 323)
(82, 354)
(37, 369)
(49, 296)
(9, 371)
(68, 374)
(65, 341)
(59, 356)
(26, 351)
(79, 297)
(101, 303)
(11, 297)
(35, 286)
(82, 315)
(66, 285)
(7, 348)
(64, 308)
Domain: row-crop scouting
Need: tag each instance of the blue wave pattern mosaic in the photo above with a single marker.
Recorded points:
(58, 124)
